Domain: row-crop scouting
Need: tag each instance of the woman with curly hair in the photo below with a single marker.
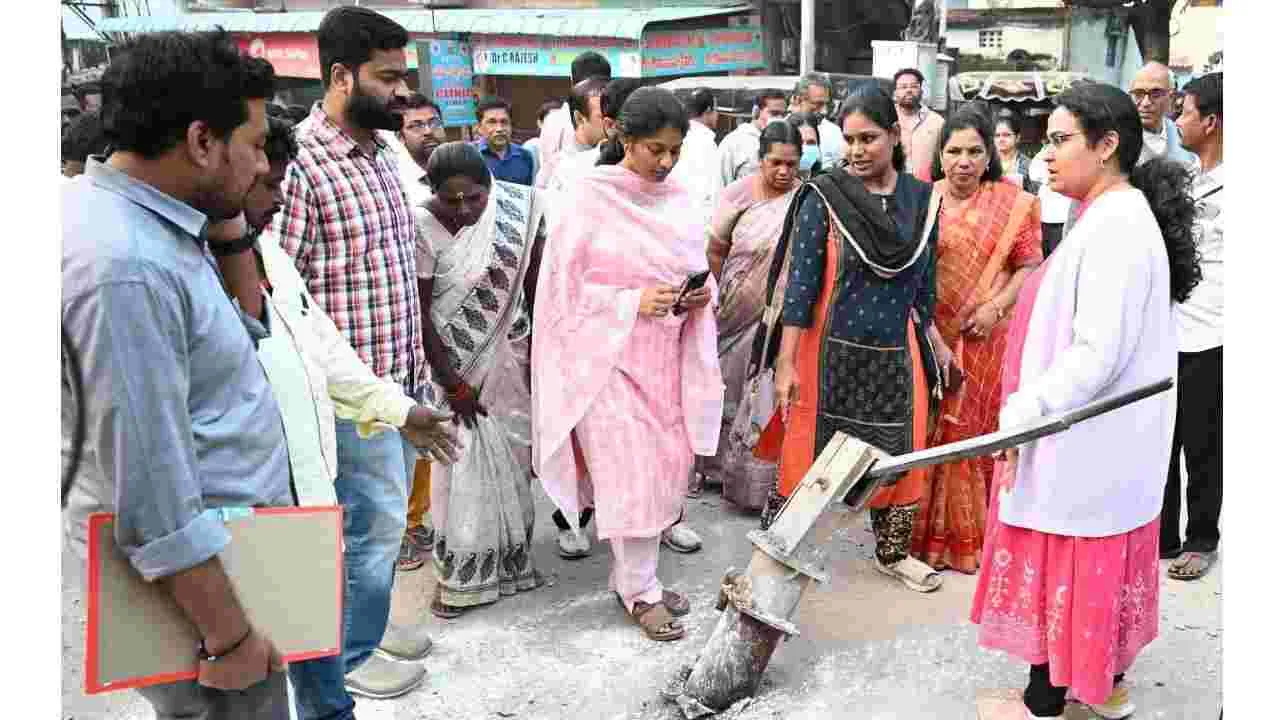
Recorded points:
(1070, 569)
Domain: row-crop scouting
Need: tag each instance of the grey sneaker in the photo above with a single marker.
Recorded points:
(406, 642)
(380, 678)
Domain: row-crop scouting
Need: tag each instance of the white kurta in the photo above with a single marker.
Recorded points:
(699, 168)
(1103, 324)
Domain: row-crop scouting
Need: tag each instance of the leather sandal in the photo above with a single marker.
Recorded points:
(656, 621)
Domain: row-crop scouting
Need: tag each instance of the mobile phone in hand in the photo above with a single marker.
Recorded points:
(693, 282)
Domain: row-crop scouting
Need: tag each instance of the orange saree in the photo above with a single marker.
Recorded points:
(980, 246)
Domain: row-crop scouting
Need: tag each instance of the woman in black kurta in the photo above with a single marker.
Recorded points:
(849, 361)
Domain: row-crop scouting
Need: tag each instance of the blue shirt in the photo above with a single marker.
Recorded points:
(517, 167)
(179, 415)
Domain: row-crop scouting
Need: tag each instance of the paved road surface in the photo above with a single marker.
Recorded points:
(869, 648)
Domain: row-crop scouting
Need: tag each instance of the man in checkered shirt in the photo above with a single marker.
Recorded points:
(348, 226)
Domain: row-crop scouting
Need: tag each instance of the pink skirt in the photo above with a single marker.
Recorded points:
(1086, 606)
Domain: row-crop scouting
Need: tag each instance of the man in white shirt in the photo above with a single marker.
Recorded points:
(740, 150)
(813, 95)
(1152, 92)
(1198, 432)
(698, 168)
(422, 133)
(589, 129)
(557, 128)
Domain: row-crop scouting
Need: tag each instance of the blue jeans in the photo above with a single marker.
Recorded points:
(373, 488)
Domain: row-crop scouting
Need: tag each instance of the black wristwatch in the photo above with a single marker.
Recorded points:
(203, 653)
(235, 247)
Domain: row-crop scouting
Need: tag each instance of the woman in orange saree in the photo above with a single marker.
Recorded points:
(988, 242)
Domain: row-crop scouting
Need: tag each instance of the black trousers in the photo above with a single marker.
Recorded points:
(1044, 699)
(1198, 434)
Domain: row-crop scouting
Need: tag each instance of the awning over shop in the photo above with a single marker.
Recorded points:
(588, 22)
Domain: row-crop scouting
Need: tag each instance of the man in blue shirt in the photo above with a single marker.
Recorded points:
(180, 419)
(508, 162)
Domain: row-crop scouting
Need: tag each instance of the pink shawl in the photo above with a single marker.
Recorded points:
(625, 234)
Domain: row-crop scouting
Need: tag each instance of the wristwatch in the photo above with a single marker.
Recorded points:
(204, 655)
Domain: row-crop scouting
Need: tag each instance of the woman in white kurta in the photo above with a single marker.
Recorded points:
(1070, 576)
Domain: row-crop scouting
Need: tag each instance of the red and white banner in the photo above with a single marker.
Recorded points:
(291, 54)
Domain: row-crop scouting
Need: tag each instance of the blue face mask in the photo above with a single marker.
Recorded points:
(809, 157)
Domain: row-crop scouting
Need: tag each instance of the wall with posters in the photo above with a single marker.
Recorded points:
(451, 78)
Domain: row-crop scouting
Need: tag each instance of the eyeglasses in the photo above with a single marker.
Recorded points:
(420, 125)
(1058, 139)
(1156, 94)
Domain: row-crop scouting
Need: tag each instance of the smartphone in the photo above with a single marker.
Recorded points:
(693, 282)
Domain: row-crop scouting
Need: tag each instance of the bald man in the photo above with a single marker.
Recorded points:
(1152, 92)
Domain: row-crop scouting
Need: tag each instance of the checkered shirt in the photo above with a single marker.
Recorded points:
(348, 227)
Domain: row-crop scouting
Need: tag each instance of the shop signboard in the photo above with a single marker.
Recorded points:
(690, 52)
(451, 79)
(291, 54)
(544, 56)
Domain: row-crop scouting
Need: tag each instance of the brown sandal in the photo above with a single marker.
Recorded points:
(656, 621)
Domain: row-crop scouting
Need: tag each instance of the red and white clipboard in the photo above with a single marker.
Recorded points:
(285, 565)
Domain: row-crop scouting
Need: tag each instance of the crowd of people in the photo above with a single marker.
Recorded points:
(348, 309)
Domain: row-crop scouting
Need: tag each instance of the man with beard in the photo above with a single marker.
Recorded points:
(348, 226)
(920, 127)
(511, 163)
(814, 96)
(423, 131)
(310, 364)
(180, 419)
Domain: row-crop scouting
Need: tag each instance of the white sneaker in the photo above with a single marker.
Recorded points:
(573, 544)
(681, 538)
(1117, 707)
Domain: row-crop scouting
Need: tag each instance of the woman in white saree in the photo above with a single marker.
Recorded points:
(477, 239)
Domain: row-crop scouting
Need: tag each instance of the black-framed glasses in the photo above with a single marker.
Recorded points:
(1156, 94)
(420, 125)
(1058, 139)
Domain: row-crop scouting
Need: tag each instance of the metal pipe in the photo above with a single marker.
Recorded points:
(808, 47)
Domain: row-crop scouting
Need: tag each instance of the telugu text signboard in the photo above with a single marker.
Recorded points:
(544, 56)
(689, 52)
(451, 80)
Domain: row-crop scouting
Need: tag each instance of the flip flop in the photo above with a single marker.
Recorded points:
(1183, 568)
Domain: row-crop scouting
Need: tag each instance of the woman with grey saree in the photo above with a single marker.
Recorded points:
(743, 234)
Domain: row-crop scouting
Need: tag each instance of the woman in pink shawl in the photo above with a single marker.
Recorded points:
(626, 381)
(1069, 579)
